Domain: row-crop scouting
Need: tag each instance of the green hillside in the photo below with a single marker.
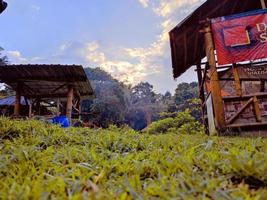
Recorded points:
(39, 161)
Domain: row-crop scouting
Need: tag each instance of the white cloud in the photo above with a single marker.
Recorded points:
(138, 63)
(36, 8)
(63, 47)
(92, 46)
(90, 52)
(15, 57)
(144, 3)
(171, 13)
(165, 8)
(168, 7)
(153, 57)
(123, 69)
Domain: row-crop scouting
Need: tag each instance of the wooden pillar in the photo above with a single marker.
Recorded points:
(58, 107)
(38, 106)
(237, 81)
(262, 86)
(263, 4)
(201, 90)
(214, 80)
(79, 106)
(69, 102)
(17, 101)
(257, 109)
(30, 108)
(199, 76)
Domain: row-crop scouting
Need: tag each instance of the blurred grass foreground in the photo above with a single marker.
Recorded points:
(41, 161)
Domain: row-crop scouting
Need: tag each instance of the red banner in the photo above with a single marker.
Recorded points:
(240, 37)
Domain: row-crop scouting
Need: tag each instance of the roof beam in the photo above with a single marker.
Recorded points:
(58, 88)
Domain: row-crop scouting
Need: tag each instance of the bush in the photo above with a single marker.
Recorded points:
(184, 122)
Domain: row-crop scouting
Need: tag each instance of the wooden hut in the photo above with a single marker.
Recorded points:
(233, 95)
(61, 86)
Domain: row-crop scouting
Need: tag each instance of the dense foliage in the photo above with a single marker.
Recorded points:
(137, 106)
(117, 103)
(3, 59)
(183, 122)
(40, 161)
(5, 90)
(111, 102)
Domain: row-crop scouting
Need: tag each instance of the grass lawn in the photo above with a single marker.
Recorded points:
(39, 161)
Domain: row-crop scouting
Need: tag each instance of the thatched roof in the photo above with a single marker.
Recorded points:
(46, 81)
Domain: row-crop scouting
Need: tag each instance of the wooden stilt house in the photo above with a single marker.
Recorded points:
(226, 40)
(59, 86)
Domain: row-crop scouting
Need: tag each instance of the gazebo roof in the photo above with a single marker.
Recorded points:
(187, 44)
(46, 81)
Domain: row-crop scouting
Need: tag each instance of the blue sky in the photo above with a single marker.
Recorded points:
(127, 38)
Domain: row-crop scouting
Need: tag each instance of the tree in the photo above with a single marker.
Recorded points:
(185, 91)
(7, 90)
(142, 94)
(112, 99)
(186, 96)
(145, 106)
(3, 59)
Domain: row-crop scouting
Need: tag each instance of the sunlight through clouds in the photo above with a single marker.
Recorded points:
(123, 70)
(168, 7)
(141, 62)
(144, 3)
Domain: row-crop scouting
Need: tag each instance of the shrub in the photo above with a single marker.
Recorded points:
(184, 122)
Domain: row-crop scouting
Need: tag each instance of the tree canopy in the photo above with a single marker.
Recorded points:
(137, 106)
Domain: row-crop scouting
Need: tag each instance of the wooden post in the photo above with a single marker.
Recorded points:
(79, 108)
(237, 81)
(257, 109)
(58, 107)
(30, 108)
(17, 101)
(214, 80)
(201, 92)
(263, 5)
(69, 102)
(199, 76)
(262, 86)
(38, 106)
